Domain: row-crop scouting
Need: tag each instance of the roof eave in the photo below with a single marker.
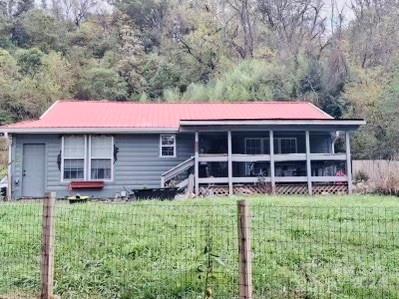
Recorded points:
(320, 122)
(249, 125)
(87, 130)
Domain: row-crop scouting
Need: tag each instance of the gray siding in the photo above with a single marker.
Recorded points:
(138, 165)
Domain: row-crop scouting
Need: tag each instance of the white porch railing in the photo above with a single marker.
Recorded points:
(277, 157)
(175, 171)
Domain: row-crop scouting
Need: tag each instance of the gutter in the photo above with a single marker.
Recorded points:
(88, 130)
(335, 122)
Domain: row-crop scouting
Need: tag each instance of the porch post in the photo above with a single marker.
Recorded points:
(348, 161)
(333, 143)
(196, 164)
(230, 162)
(308, 163)
(271, 150)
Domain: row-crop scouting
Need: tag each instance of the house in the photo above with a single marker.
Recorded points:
(101, 148)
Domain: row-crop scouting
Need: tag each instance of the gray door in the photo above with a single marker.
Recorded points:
(33, 171)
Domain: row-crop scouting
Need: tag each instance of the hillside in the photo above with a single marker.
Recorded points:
(343, 57)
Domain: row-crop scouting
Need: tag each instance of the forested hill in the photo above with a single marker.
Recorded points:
(342, 57)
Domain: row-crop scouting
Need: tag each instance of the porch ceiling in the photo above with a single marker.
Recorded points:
(292, 125)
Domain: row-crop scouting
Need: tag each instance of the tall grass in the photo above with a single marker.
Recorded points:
(338, 247)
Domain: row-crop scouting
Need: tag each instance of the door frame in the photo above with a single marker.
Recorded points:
(23, 163)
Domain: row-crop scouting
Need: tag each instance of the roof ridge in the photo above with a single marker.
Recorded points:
(290, 102)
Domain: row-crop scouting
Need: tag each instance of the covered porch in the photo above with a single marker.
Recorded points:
(283, 159)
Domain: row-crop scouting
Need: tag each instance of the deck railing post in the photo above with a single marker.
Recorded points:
(230, 162)
(48, 233)
(272, 169)
(245, 249)
(308, 162)
(348, 161)
(162, 182)
(196, 165)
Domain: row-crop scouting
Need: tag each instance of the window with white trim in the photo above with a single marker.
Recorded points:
(101, 157)
(167, 146)
(74, 153)
(98, 150)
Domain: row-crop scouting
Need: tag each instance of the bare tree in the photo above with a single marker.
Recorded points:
(242, 35)
(296, 23)
(373, 35)
(75, 10)
(78, 10)
(15, 8)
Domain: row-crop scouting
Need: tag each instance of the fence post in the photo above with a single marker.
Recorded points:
(47, 265)
(245, 249)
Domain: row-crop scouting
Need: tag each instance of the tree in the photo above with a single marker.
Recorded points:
(252, 80)
(29, 61)
(42, 31)
(148, 16)
(15, 8)
(100, 83)
(32, 82)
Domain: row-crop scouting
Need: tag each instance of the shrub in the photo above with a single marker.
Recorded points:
(361, 176)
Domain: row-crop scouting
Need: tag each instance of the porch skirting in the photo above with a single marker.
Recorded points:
(281, 189)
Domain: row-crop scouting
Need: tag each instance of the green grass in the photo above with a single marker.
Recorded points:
(303, 247)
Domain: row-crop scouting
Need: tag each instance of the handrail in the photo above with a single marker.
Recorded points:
(266, 157)
(178, 169)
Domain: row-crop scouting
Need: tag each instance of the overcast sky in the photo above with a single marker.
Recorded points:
(345, 4)
(342, 4)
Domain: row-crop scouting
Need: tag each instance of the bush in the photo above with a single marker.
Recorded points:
(361, 176)
(388, 185)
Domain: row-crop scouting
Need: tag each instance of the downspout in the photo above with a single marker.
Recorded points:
(334, 137)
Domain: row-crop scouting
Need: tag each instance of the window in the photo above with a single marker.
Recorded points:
(168, 146)
(98, 149)
(285, 145)
(101, 156)
(74, 152)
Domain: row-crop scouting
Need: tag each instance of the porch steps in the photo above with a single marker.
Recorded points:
(177, 170)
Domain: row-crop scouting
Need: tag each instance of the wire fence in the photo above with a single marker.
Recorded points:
(191, 250)
(314, 252)
(145, 251)
(20, 249)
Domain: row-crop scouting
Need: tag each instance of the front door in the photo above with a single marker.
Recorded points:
(33, 171)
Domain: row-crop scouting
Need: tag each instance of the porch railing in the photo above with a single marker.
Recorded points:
(277, 158)
(177, 170)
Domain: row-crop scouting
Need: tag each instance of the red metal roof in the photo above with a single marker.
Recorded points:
(106, 114)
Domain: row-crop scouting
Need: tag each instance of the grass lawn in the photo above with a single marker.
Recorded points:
(303, 247)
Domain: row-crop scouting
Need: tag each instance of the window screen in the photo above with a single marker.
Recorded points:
(101, 157)
(74, 157)
(168, 146)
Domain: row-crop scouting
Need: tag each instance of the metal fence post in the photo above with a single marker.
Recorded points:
(47, 264)
(245, 249)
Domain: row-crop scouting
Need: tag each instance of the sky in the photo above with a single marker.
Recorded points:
(345, 4)
(341, 4)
